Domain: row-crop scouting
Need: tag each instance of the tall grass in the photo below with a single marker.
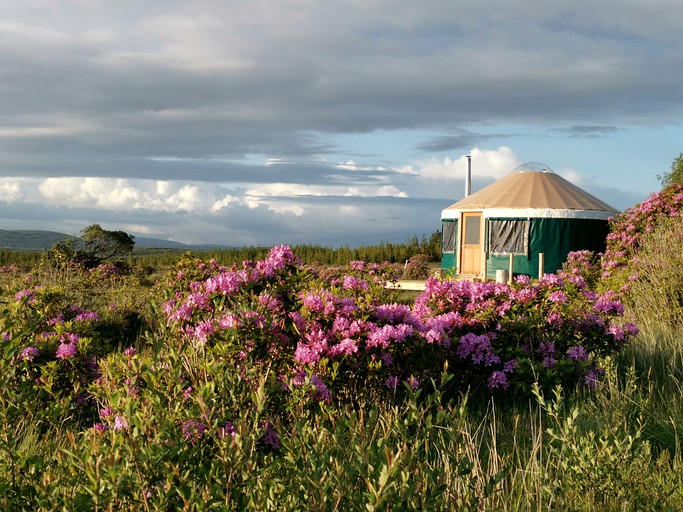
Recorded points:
(655, 303)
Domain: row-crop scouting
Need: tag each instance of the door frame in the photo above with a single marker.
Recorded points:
(479, 255)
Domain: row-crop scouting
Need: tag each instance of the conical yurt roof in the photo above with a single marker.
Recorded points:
(533, 190)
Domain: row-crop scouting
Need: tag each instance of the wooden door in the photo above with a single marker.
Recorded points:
(471, 246)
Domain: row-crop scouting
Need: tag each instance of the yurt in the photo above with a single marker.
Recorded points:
(528, 217)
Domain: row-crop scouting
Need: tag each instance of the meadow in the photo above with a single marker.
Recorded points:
(281, 383)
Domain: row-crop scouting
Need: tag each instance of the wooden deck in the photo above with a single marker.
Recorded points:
(407, 285)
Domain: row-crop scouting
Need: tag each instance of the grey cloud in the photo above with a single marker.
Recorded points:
(589, 131)
(460, 140)
(346, 80)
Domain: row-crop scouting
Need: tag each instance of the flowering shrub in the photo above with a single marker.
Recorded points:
(417, 267)
(47, 361)
(652, 291)
(503, 335)
(627, 230)
(583, 264)
(332, 327)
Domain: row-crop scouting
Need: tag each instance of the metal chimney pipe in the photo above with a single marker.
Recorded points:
(468, 177)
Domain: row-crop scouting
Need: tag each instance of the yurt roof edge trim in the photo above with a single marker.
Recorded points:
(546, 213)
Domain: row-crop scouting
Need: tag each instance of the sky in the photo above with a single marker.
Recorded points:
(331, 122)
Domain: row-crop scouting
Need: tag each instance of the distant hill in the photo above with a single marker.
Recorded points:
(37, 240)
(28, 239)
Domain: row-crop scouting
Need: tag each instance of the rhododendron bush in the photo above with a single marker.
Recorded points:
(329, 336)
(337, 334)
(628, 229)
(48, 360)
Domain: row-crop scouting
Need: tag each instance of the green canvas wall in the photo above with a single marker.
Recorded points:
(555, 238)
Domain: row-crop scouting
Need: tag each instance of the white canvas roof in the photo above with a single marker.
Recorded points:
(532, 190)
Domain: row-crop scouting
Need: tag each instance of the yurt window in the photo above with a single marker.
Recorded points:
(508, 236)
(448, 236)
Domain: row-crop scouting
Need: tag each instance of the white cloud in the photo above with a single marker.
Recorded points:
(10, 191)
(351, 165)
(299, 190)
(129, 194)
(486, 163)
(30, 32)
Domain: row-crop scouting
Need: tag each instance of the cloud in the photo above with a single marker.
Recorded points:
(590, 131)
(115, 194)
(485, 164)
(463, 139)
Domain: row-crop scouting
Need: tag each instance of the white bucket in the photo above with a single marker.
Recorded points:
(502, 276)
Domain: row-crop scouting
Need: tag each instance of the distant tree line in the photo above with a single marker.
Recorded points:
(96, 245)
(309, 253)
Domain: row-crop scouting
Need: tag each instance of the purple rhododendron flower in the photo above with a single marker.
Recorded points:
(29, 353)
(558, 296)
(24, 294)
(608, 306)
(577, 353)
(100, 427)
(57, 319)
(510, 366)
(120, 423)
(271, 438)
(192, 431)
(87, 316)
(322, 392)
(477, 348)
(592, 378)
(353, 283)
(391, 382)
(551, 280)
(616, 332)
(357, 265)
(225, 283)
(555, 319)
(630, 329)
(228, 430)
(547, 348)
(413, 382)
(66, 350)
(304, 354)
(70, 337)
(347, 347)
(498, 379)
(525, 295)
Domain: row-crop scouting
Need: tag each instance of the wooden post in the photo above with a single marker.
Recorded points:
(541, 264)
(510, 267)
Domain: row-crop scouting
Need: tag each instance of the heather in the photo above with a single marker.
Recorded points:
(274, 385)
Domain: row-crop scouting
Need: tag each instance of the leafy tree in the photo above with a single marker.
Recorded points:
(92, 247)
(675, 175)
(101, 244)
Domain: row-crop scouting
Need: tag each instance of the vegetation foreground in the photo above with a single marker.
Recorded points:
(274, 385)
